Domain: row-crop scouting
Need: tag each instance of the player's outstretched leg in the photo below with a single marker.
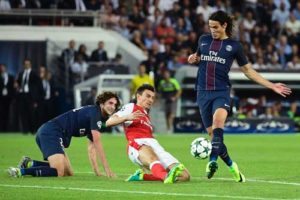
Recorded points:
(174, 173)
(137, 176)
(42, 171)
(237, 175)
(211, 169)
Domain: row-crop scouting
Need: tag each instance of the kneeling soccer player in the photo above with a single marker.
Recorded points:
(55, 135)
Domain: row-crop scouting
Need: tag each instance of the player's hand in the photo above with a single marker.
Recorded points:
(193, 58)
(281, 89)
(135, 115)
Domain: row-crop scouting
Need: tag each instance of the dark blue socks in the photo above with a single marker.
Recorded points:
(219, 148)
(225, 156)
(36, 163)
(39, 171)
(217, 141)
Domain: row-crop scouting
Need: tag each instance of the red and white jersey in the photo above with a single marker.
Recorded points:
(138, 128)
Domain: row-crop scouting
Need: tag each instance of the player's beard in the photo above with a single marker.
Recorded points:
(215, 35)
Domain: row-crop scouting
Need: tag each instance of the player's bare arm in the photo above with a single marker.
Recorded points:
(93, 158)
(279, 88)
(100, 152)
(115, 119)
(194, 58)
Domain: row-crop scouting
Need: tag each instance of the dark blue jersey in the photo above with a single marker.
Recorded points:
(79, 122)
(216, 57)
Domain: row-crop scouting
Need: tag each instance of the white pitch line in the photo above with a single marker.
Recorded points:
(229, 179)
(140, 192)
(265, 181)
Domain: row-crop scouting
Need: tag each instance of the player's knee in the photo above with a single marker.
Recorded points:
(185, 176)
(60, 172)
(218, 123)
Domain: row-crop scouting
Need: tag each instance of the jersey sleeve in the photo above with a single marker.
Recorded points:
(125, 110)
(199, 45)
(240, 56)
(96, 123)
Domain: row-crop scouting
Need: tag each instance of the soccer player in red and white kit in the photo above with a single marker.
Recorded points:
(143, 149)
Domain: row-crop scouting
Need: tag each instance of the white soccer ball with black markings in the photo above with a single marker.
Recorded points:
(201, 148)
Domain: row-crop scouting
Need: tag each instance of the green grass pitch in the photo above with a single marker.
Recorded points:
(271, 164)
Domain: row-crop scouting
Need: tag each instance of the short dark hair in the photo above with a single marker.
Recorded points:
(222, 17)
(103, 97)
(144, 87)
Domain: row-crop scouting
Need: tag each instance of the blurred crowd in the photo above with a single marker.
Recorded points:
(168, 30)
(27, 100)
(81, 65)
(263, 108)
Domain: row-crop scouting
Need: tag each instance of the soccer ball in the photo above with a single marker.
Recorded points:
(201, 148)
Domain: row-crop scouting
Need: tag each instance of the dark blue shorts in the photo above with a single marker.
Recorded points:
(49, 139)
(209, 101)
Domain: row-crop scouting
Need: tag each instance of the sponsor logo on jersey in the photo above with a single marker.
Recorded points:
(213, 57)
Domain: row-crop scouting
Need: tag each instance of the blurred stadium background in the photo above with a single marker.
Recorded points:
(60, 37)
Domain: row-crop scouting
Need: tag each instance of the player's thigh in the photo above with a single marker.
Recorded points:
(57, 161)
(221, 100)
(206, 114)
(219, 118)
(221, 108)
(164, 157)
(49, 140)
(147, 155)
(204, 102)
(141, 155)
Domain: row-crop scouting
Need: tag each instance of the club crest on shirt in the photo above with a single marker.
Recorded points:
(99, 124)
(228, 48)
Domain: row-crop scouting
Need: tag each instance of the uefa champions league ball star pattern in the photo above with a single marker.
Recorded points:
(201, 148)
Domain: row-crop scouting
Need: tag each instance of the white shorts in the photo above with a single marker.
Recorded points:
(164, 157)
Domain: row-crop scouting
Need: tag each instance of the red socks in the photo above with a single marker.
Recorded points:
(158, 172)
(150, 177)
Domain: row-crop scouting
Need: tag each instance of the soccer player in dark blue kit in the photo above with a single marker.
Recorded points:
(215, 54)
(55, 135)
